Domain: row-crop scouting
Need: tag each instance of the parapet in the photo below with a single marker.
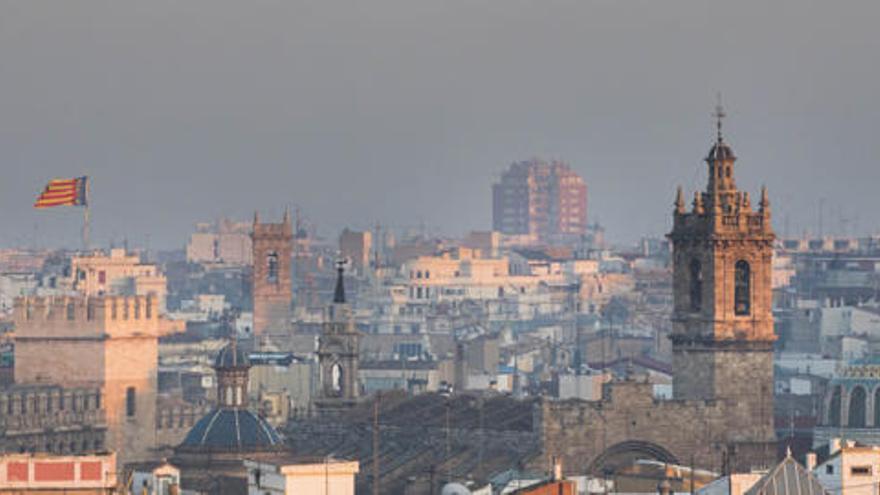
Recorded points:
(86, 316)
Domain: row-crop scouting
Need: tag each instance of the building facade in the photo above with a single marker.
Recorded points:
(540, 200)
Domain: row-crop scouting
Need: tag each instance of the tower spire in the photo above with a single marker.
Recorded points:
(719, 116)
(679, 201)
(339, 294)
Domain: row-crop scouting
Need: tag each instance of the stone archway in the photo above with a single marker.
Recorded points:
(625, 453)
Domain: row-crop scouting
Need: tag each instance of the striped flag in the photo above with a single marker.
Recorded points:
(64, 192)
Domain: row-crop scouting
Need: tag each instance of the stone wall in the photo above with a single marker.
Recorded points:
(629, 423)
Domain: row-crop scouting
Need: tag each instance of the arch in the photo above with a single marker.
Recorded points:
(625, 453)
(858, 406)
(877, 407)
(272, 267)
(834, 406)
(696, 283)
(742, 288)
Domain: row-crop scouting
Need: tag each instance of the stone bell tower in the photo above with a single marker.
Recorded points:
(722, 321)
(272, 289)
(338, 353)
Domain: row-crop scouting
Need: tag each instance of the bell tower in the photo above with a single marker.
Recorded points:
(338, 351)
(272, 289)
(722, 333)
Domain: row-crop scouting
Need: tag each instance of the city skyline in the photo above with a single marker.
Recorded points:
(199, 113)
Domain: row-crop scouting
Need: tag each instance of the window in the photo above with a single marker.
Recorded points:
(272, 267)
(742, 288)
(696, 285)
(860, 470)
(834, 407)
(130, 402)
(71, 311)
(857, 408)
(102, 277)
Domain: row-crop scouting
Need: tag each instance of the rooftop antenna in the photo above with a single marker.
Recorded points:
(719, 115)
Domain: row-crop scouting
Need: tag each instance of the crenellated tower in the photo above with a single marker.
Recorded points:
(722, 318)
(272, 286)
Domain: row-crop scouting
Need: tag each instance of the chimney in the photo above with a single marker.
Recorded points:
(811, 461)
(834, 446)
(557, 469)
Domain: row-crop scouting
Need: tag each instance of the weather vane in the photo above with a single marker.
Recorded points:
(719, 115)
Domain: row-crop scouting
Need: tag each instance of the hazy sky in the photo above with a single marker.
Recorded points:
(406, 111)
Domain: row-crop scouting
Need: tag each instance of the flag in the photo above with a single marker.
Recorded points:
(64, 192)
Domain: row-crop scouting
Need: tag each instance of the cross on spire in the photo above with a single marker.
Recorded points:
(719, 116)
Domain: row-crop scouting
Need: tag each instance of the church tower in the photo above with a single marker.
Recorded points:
(272, 290)
(722, 333)
(338, 352)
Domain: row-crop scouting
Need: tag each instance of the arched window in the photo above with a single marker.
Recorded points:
(834, 407)
(696, 285)
(877, 407)
(336, 378)
(857, 407)
(272, 267)
(742, 288)
(130, 402)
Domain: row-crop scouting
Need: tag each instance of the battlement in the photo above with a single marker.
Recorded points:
(85, 317)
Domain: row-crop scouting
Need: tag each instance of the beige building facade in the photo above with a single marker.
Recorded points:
(116, 273)
(108, 342)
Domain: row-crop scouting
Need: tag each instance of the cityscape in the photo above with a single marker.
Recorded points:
(554, 320)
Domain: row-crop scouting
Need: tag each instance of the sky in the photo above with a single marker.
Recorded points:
(405, 112)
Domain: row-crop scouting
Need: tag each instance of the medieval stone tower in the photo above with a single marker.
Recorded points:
(338, 353)
(109, 342)
(272, 290)
(722, 321)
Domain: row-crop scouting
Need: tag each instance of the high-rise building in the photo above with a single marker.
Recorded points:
(273, 291)
(540, 201)
(357, 247)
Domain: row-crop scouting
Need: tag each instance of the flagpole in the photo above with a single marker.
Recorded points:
(86, 217)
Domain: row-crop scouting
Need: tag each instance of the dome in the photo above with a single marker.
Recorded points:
(720, 152)
(455, 489)
(231, 356)
(232, 429)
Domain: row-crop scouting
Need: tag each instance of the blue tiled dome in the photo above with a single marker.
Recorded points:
(231, 356)
(232, 429)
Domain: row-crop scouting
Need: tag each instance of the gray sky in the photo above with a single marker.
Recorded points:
(405, 111)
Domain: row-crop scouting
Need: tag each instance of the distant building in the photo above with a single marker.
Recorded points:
(227, 242)
(118, 273)
(357, 247)
(273, 289)
(545, 201)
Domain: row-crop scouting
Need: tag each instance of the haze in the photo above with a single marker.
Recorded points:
(404, 112)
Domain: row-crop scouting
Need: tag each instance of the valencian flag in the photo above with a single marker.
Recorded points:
(64, 192)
